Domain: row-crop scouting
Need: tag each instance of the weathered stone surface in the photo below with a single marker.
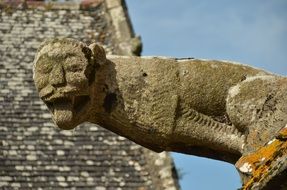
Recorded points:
(208, 108)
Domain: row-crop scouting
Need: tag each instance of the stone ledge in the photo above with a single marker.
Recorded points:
(267, 167)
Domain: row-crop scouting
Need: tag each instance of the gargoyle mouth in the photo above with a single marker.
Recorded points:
(66, 110)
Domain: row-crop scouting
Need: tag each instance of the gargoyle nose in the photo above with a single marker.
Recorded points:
(57, 76)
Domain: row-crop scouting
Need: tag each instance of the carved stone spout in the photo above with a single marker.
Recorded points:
(216, 109)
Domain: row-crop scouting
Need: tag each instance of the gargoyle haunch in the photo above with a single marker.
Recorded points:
(215, 109)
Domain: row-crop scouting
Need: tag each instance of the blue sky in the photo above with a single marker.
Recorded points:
(251, 32)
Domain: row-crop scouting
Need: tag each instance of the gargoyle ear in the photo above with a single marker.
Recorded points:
(98, 53)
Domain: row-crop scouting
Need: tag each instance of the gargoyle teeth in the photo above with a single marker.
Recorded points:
(66, 108)
(50, 105)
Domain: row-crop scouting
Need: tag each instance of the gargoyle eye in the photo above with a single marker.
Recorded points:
(44, 67)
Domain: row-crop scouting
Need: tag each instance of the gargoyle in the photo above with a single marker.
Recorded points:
(215, 109)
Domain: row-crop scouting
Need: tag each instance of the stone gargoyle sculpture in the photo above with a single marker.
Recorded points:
(214, 109)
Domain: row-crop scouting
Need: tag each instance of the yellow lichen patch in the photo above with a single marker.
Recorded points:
(259, 157)
(260, 163)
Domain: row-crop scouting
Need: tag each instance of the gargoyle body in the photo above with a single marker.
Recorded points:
(214, 109)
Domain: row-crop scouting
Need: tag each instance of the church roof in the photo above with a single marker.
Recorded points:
(33, 153)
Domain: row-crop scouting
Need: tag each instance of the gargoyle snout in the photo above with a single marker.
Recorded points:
(57, 76)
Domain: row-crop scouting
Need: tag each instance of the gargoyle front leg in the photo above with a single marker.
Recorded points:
(199, 134)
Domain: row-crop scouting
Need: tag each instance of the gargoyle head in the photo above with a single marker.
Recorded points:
(64, 71)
